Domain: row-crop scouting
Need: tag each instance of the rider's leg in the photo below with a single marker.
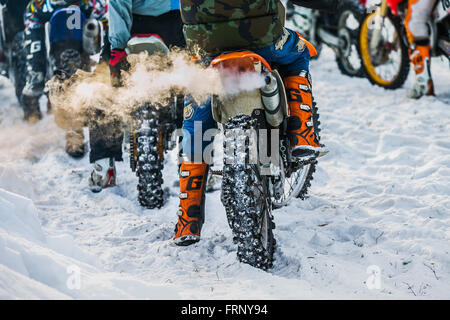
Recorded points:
(193, 172)
(291, 55)
(106, 138)
(419, 12)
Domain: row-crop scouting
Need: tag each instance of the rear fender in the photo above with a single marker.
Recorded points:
(245, 102)
(227, 107)
(150, 43)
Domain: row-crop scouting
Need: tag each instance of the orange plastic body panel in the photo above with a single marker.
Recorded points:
(311, 48)
(245, 55)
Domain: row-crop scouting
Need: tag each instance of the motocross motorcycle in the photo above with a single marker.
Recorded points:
(384, 43)
(338, 30)
(69, 48)
(255, 124)
(150, 135)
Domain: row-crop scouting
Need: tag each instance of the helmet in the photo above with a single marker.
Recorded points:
(63, 2)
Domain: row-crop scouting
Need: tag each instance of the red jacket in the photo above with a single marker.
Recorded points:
(393, 5)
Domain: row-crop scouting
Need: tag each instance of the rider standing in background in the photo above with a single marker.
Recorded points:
(37, 14)
(419, 11)
(229, 25)
(128, 18)
(13, 24)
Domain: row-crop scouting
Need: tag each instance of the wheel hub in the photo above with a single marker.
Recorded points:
(345, 42)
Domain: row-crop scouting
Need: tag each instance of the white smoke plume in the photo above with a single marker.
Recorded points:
(153, 79)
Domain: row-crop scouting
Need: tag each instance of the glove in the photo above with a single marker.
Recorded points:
(117, 63)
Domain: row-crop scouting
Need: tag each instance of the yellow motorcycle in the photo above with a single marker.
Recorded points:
(384, 44)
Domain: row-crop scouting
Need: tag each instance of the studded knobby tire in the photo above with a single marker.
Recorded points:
(149, 167)
(246, 199)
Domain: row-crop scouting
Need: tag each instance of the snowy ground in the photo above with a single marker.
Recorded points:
(379, 201)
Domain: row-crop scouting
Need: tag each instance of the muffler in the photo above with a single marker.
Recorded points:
(271, 100)
(92, 37)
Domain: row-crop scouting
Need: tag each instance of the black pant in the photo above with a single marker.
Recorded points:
(168, 26)
(327, 5)
(105, 136)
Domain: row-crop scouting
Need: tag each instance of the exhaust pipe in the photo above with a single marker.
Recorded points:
(92, 34)
(271, 100)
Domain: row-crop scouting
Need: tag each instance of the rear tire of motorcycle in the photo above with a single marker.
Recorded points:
(359, 13)
(403, 73)
(149, 168)
(18, 64)
(68, 62)
(247, 201)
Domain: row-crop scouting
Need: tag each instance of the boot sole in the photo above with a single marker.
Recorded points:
(186, 240)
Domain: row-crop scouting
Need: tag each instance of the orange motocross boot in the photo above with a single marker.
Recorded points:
(420, 58)
(302, 121)
(191, 213)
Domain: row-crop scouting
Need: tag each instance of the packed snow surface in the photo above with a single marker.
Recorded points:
(376, 224)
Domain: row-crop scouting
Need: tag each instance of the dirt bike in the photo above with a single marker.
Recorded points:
(150, 134)
(69, 48)
(338, 30)
(384, 43)
(255, 124)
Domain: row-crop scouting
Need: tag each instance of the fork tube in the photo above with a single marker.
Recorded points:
(380, 14)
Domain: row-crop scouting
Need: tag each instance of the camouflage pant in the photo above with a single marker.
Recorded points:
(289, 56)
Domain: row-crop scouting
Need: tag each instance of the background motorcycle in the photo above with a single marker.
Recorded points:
(72, 47)
(73, 43)
(68, 48)
(384, 43)
(151, 132)
(338, 30)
